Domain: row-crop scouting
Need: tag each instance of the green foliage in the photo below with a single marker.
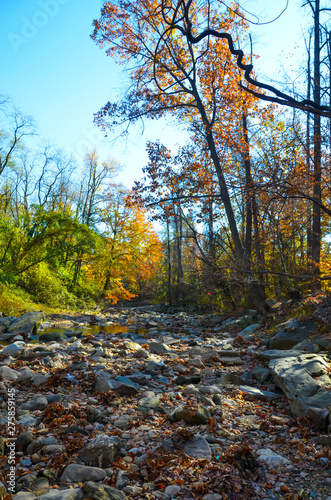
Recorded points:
(42, 283)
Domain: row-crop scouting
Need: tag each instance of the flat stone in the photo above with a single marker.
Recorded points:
(27, 421)
(172, 490)
(7, 373)
(50, 337)
(271, 458)
(300, 388)
(255, 393)
(38, 402)
(198, 447)
(158, 347)
(39, 378)
(294, 331)
(187, 379)
(24, 495)
(68, 494)
(75, 473)
(249, 331)
(13, 350)
(210, 389)
(154, 365)
(278, 353)
(212, 496)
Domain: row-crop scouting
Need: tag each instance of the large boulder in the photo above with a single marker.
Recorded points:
(4, 323)
(294, 331)
(28, 323)
(304, 381)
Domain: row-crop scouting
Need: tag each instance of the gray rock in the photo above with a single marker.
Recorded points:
(319, 417)
(154, 365)
(158, 348)
(294, 332)
(172, 490)
(7, 373)
(102, 492)
(101, 451)
(4, 323)
(23, 440)
(198, 447)
(121, 480)
(148, 402)
(25, 374)
(29, 322)
(123, 422)
(241, 322)
(103, 383)
(38, 402)
(68, 494)
(94, 415)
(255, 393)
(75, 473)
(132, 346)
(42, 483)
(192, 416)
(261, 374)
(50, 337)
(24, 495)
(271, 458)
(278, 353)
(27, 421)
(54, 398)
(125, 386)
(39, 378)
(249, 331)
(14, 350)
(212, 496)
(295, 380)
(190, 389)
(187, 379)
(210, 389)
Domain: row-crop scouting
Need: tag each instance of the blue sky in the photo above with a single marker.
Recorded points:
(52, 70)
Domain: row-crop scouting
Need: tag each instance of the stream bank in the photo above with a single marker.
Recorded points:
(167, 406)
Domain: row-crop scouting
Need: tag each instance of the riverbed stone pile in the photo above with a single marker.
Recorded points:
(172, 405)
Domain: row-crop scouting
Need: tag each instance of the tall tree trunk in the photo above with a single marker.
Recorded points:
(248, 192)
(316, 225)
(253, 291)
(169, 263)
(308, 167)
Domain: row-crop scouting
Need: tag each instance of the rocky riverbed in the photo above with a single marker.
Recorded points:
(170, 406)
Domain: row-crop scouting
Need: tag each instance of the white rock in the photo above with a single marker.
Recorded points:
(271, 458)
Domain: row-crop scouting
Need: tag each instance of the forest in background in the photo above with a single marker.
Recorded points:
(242, 209)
